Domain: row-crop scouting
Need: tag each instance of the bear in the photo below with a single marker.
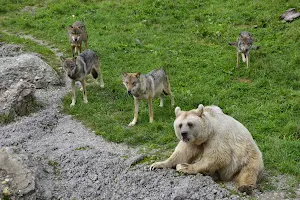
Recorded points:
(215, 144)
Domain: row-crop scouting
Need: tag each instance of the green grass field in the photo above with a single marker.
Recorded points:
(190, 39)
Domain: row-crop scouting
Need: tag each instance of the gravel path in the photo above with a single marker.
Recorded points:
(70, 161)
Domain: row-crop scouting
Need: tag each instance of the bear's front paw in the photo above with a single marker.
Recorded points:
(185, 168)
(157, 165)
(246, 188)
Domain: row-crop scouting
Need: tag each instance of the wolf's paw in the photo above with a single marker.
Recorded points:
(72, 104)
(156, 165)
(85, 101)
(102, 85)
(131, 123)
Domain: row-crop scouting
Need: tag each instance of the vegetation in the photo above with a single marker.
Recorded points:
(190, 39)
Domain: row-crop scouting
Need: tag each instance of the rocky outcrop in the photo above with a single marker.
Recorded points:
(27, 67)
(18, 100)
(17, 180)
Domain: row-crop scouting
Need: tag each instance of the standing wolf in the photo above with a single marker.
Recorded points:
(77, 68)
(243, 46)
(77, 34)
(147, 86)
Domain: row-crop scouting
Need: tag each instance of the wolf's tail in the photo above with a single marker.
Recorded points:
(94, 74)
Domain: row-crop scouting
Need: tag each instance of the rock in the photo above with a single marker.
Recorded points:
(290, 15)
(21, 184)
(27, 67)
(18, 100)
(10, 50)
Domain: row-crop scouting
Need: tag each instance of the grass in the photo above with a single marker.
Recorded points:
(190, 39)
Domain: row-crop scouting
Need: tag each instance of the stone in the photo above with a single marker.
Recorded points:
(22, 179)
(18, 100)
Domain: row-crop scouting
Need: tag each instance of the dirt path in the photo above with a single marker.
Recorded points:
(71, 162)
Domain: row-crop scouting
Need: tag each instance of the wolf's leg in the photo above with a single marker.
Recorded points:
(184, 153)
(74, 93)
(248, 59)
(237, 60)
(83, 83)
(85, 44)
(79, 49)
(167, 90)
(161, 103)
(100, 73)
(136, 112)
(73, 50)
(150, 109)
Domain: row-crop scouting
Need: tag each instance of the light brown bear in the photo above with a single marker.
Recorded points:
(215, 144)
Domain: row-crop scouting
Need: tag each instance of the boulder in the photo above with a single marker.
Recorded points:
(27, 67)
(17, 180)
(18, 100)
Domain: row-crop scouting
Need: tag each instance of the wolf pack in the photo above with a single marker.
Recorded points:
(210, 142)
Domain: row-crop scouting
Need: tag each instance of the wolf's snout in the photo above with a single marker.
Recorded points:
(75, 39)
(129, 92)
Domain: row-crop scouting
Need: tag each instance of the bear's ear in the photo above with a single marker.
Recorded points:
(199, 110)
(177, 111)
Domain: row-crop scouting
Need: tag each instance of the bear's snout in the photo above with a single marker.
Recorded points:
(184, 135)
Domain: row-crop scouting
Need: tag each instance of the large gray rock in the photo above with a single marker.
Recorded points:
(18, 100)
(17, 180)
(27, 67)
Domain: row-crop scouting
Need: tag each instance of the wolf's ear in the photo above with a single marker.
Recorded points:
(62, 59)
(70, 27)
(137, 75)
(124, 74)
(200, 110)
(177, 111)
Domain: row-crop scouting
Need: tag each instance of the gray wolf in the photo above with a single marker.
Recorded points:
(215, 144)
(147, 86)
(78, 68)
(243, 46)
(77, 34)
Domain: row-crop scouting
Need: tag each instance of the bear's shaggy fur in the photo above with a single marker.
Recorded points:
(215, 144)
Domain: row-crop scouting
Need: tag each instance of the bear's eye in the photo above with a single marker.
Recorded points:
(190, 124)
(180, 125)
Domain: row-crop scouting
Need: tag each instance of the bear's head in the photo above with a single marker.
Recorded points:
(191, 126)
